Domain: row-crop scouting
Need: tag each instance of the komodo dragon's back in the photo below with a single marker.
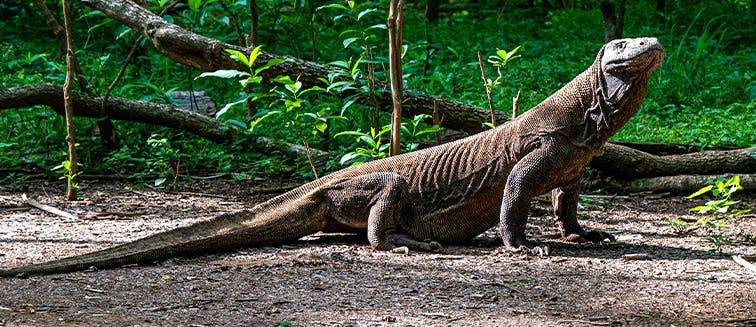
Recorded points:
(448, 193)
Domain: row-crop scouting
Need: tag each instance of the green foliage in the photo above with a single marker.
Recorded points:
(702, 94)
(373, 148)
(717, 211)
(65, 170)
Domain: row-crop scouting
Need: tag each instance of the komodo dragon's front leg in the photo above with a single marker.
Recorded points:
(537, 172)
(377, 202)
(523, 183)
(565, 201)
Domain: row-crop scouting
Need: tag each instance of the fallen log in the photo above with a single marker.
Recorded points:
(680, 184)
(625, 162)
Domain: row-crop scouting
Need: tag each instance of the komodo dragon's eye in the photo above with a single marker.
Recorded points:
(619, 45)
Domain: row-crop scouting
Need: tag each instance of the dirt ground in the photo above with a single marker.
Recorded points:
(338, 280)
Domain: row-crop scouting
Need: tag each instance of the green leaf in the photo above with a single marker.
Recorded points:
(251, 80)
(239, 56)
(378, 27)
(253, 56)
(369, 141)
(701, 191)
(509, 55)
(701, 209)
(349, 41)
(257, 121)
(237, 123)
(356, 66)
(339, 63)
(269, 64)
(349, 157)
(334, 6)
(351, 133)
(224, 73)
(283, 79)
(194, 4)
(228, 106)
(159, 181)
(365, 12)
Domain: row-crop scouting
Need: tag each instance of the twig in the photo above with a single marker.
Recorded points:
(119, 215)
(488, 90)
(599, 196)
(198, 194)
(254, 16)
(235, 21)
(213, 176)
(636, 256)
(126, 61)
(68, 104)
(516, 105)
(739, 260)
(49, 209)
(587, 322)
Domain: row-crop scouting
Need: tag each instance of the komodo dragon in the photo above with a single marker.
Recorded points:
(444, 194)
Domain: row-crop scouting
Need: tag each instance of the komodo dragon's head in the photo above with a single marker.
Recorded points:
(615, 85)
(628, 57)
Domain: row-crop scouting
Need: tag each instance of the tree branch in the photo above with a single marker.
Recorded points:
(207, 54)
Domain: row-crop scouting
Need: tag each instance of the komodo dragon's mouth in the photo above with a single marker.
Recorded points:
(643, 61)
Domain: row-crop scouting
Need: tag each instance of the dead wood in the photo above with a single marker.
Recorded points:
(741, 261)
(664, 149)
(678, 184)
(625, 162)
(49, 209)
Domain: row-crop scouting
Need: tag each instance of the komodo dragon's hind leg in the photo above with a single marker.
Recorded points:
(565, 201)
(377, 202)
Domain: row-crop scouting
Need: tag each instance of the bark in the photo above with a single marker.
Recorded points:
(431, 10)
(624, 162)
(680, 184)
(662, 149)
(254, 17)
(613, 12)
(166, 115)
(395, 68)
(73, 165)
(121, 109)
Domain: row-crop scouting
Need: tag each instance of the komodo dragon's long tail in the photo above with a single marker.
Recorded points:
(222, 233)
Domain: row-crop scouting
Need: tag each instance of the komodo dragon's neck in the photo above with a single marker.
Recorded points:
(590, 108)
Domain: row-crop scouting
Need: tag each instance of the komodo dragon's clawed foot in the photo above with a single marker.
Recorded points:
(403, 241)
(523, 246)
(595, 236)
(539, 251)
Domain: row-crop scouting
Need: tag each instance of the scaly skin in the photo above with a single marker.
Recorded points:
(445, 194)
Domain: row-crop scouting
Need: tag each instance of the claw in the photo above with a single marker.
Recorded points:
(592, 236)
(539, 251)
(400, 250)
